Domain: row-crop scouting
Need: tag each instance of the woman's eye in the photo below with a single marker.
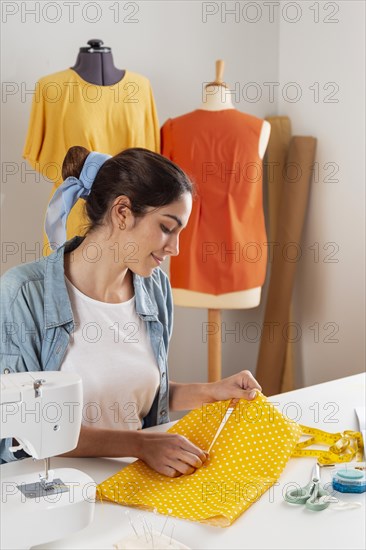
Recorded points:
(165, 229)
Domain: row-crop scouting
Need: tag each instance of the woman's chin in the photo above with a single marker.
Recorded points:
(145, 272)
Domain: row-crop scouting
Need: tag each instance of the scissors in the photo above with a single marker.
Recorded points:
(313, 495)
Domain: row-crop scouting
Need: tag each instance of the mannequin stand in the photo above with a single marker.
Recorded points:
(214, 345)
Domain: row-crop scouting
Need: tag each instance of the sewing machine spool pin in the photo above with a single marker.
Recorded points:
(37, 385)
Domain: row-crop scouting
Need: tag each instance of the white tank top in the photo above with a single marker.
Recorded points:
(111, 351)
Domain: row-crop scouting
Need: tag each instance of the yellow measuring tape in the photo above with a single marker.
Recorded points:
(342, 446)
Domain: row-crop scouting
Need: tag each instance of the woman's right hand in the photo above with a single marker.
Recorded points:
(170, 454)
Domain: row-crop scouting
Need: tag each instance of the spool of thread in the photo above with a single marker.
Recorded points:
(349, 481)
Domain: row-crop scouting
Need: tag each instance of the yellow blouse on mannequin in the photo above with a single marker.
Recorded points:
(68, 111)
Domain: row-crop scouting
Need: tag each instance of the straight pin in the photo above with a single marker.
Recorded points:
(147, 540)
(152, 536)
(150, 532)
(143, 526)
(171, 534)
(131, 523)
(166, 519)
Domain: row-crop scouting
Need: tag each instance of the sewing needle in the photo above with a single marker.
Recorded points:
(223, 422)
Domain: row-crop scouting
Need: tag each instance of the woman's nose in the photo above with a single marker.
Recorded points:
(172, 246)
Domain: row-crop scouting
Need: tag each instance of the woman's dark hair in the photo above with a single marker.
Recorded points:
(146, 178)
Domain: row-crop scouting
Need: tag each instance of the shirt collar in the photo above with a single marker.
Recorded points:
(57, 307)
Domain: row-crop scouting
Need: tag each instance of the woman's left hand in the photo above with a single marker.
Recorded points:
(242, 385)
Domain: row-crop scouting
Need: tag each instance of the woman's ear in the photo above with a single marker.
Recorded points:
(121, 210)
(123, 203)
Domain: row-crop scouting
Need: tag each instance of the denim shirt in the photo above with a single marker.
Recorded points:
(37, 321)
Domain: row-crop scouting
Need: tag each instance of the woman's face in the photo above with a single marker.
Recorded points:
(155, 236)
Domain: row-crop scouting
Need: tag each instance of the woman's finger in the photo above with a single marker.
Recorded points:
(169, 471)
(252, 382)
(182, 467)
(191, 459)
(189, 447)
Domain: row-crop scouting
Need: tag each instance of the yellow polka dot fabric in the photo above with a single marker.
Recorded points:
(246, 459)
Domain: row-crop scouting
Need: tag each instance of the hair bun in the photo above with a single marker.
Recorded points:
(74, 161)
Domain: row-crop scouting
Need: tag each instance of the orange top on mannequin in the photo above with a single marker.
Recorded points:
(222, 262)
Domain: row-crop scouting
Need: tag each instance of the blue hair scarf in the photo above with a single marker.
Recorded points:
(67, 195)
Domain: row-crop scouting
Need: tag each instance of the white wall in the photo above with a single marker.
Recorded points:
(172, 45)
(330, 291)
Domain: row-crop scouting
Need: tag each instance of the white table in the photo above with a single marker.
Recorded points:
(270, 523)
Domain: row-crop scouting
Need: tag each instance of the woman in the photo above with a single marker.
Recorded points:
(100, 306)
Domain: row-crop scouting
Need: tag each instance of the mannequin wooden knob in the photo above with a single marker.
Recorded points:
(220, 65)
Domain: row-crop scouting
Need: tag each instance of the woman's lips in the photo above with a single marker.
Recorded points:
(157, 259)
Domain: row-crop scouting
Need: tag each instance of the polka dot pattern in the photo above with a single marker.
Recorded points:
(246, 459)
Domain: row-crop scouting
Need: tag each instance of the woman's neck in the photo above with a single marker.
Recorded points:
(94, 270)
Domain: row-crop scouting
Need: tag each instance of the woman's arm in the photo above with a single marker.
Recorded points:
(190, 396)
(107, 443)
(168, 454)
(184, 397)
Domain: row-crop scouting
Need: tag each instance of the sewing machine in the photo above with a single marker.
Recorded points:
(43, 411)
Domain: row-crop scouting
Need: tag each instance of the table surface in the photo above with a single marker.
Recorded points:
(270, 523)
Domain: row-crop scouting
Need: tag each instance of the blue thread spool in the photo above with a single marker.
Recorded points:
(349, 481)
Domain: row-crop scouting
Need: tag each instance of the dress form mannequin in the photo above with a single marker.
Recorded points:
(95, 65)
(218, 98)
